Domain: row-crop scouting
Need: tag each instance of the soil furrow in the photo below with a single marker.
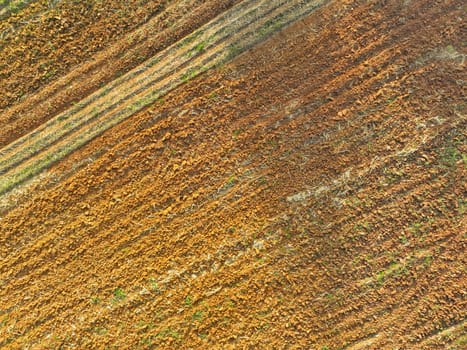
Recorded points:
(309, 194)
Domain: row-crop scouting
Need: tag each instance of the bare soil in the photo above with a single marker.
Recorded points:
(310, 194)
(88, 45)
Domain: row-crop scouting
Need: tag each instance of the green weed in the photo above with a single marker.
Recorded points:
(154, 286)
(189, 74)
(427, 260)
(403, 239)
(449, 156)
(4, 321)
(231, 181)
(169, 332)
(461, 341)
(50, 73)
(380, 276)
(416, 227)
(197, 315)
(100, 330)
(147, 340)
(462, 205)
(233, 51)
(188, 300)
(191, 38)
(362, 226)
(119, 295)
(144, 324)
(197, 49)
(13, 6)
(271, 26)
(236, 133)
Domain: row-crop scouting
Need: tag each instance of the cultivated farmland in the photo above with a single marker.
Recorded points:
(233, 174)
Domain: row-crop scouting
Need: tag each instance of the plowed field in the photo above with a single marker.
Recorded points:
(233, 175)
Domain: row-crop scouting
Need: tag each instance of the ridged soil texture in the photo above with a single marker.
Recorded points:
(270, 175)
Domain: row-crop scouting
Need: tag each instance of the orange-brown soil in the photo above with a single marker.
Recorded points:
(69, 51)
(310, 194)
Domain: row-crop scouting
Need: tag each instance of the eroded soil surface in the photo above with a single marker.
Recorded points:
(310, 194)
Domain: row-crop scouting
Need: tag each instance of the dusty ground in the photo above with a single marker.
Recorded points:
(310, 194)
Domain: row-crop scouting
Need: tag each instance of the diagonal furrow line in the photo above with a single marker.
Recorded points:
(165, 59)
(110, 96)
(122, 98)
